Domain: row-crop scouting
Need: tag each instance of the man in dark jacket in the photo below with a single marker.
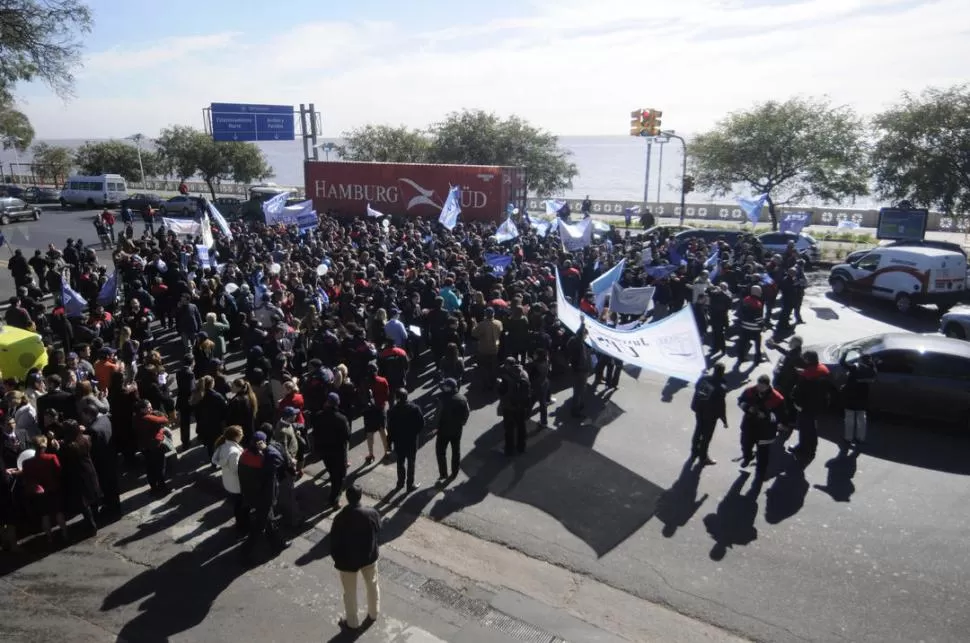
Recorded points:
(185, 384)
(259, 469)
(761, 405)
(811, 397)
(515, 401)
(188, 321)
(855, 398)
(104, 455)
(57, 399)
(354, 546)
(453, 412)
(331, 437)
(581, 363)
(708, 406)
(404, 425)
(750, 316)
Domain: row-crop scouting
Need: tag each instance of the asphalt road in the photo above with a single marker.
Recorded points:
(871, 549)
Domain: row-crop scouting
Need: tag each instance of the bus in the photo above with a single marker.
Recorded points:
(94, 191)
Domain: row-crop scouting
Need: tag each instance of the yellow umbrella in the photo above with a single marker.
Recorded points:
(20, 351)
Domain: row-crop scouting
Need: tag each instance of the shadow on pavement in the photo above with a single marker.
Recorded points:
(593, 497)
(679, 503)
(733, 522)
(177, 595)
(841, 471)
(786, 495)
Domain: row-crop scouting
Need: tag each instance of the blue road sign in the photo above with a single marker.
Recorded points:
(243, 122)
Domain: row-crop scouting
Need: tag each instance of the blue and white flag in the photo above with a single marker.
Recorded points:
(794, 222)
(675, 257)
(74, 303)
(510, 209)
(322, 300)
(371, 212)
(553, 206)
(602, 285)
(498, 262)
(633, 209)
(661, 272)
(713, 260)
(273, 208)
(506, 232)
(220, 221)
(752, 207)
(451, 209)
(207, 240)
(202, 252)
(541, 227)
(109, 291)
(576, 236)
(848, 224)
(630, 301)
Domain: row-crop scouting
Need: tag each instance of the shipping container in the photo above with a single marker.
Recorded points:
(413, 189)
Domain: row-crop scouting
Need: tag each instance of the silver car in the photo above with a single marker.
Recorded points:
(805, 245)
(956, 324)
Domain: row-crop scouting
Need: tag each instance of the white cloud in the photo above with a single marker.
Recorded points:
(575, 67)
(126, 58)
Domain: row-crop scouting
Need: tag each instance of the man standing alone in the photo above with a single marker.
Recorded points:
(405, 423)
(354, 536)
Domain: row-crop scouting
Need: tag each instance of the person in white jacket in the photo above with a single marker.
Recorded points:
(226, 457)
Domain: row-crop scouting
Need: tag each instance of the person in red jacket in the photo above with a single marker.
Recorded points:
(811, 397)
(108, 218)
(761, 405)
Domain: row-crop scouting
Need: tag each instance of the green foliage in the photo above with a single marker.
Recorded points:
(793, 150)
(15, 129)
(922, 150)
(471, 137)
(184, 152)
(113, 157)
(385, 144)
(52, 163)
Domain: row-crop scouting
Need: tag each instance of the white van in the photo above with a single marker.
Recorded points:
(94, 191)
(905, 275)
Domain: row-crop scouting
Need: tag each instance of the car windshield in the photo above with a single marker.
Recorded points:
(859, 346)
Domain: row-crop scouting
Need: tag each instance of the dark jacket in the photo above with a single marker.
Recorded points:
(786, 373)
(404, 424)
(855, 391)
(354, 538)
(331, 432)
(453, 412)
(185, 383)
(241, 413)
(709, 398)
(761, 411)
(210, 413)
(59, 400)
(259, 477)
(811, 392)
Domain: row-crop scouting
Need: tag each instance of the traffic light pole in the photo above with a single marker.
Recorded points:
(646, 179)
(683, 193)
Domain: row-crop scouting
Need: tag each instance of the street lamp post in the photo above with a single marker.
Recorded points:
(327, 148)
(138, 138)
(660, 141)
(683, 194)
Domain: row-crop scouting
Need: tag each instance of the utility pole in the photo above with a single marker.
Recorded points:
(683, 184)
(138, 138)
(660, 141)
(646, 178)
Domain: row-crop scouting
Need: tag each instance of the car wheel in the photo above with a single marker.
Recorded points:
(4, 219)
(36, 215)
(955, 331)
(904, 303)
(91, 204)
(838, 285)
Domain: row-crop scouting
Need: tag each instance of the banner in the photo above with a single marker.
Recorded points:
(288, 215)
(752, 207)
(498, 263)
(182, 226)
(220, 220)
(670, 347)
(602, 285)
(451, 209)
(207, 240)
(307, 221)
(202, 253)
(273, 208)
(630, 301)
(506, 232)
(661, 272)
(795, 221)
(576, 236)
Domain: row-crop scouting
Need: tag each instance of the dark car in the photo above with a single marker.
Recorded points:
(12, 209)
(921, 376)
(137, 202)
(36, 194)
(15, 191)
(681, 239)
(229, 206)
(925, 243)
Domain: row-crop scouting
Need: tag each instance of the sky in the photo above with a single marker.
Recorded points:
(574, 67)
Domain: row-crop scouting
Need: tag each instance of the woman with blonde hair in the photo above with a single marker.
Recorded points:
(226, 458)
(209, 407)
(243, 407)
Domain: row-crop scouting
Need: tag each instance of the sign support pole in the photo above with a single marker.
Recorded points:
(646, 178)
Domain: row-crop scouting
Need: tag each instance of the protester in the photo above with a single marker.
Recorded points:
(355, 548)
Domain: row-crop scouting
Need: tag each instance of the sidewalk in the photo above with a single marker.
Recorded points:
(168, 571)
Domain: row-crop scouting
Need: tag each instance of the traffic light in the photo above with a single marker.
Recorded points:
(688, 185)
(654, 124)
(640, 122)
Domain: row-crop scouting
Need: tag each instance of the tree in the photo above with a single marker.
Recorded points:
(39, 40)
(185, 151)
(472, 137)
(385, 144)
(922, 149)
(52, 163)
(113, 157)
(789, 151)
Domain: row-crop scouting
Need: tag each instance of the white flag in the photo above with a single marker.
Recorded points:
(371, 212)
(576, 236)
(506, 232)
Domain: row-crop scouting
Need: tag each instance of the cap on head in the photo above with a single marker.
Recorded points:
(259, 436)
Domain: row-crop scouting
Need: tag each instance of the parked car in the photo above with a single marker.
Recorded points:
(956, 324)
(665, 231)
(925, 243)
(920, 376)
(138, 201)
(805, 245)
(13, 209)
(681, 239)
(11, 190)
(35, 194)
(905, 275)
(185, 206)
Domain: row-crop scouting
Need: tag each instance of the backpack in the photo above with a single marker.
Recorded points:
(703, 392)
(520, 392)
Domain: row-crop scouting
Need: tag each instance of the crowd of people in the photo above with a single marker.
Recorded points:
(331, 329)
